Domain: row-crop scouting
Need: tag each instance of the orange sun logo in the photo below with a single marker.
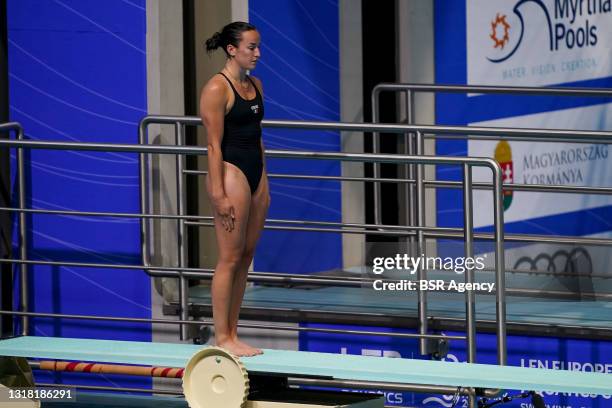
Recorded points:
(494, 24)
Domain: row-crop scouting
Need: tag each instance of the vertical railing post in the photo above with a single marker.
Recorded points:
(468, 225)
(421, 250)
(470, 306)
(144, 207)
(182, 237)
(500, 277)
(410, 191)
(23, 239)
(376, 165)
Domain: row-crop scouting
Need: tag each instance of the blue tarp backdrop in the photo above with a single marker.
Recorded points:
(299, 68)
(78, 73)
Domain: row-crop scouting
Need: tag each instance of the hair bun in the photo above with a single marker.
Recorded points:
(231, 34)
(213, 42)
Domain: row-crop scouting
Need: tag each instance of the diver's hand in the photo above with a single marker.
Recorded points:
(225, 211)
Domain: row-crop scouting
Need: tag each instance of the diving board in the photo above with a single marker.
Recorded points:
(320, 365)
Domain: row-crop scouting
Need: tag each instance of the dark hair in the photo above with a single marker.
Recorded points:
(230, 34)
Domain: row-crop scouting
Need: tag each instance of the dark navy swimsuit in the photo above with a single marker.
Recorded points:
(241, 143)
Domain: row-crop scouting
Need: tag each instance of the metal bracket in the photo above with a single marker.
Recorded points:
(438, 348)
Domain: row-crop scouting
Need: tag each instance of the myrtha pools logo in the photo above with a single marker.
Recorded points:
(567, 26)
(500, 39)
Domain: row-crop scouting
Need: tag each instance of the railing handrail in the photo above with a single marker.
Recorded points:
(170, 149)
(16, 126)
(578, 136)
(488, 89)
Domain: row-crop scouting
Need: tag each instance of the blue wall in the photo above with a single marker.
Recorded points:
(78, 73)
(299, 68)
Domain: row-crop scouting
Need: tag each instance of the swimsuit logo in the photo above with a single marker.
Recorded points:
(255, 108)
(503, 155)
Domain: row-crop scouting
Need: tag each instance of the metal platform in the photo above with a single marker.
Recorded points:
(357, 306)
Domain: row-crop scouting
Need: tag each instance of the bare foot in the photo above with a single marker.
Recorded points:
(254, 350)
(236, 349)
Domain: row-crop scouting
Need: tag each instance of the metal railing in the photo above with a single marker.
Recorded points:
(466, 163)
(186, 273)
(415, 145)
(411, 89)
(419, 231)
(17, 129)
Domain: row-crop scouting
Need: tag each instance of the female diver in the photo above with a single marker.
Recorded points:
(231, 107)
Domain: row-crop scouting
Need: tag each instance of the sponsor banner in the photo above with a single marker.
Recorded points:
(537, 42)
(469, 38)
(569, 164)
(577, 269)
(534, 352)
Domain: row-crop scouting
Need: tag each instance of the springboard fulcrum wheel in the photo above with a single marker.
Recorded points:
(215, 378)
